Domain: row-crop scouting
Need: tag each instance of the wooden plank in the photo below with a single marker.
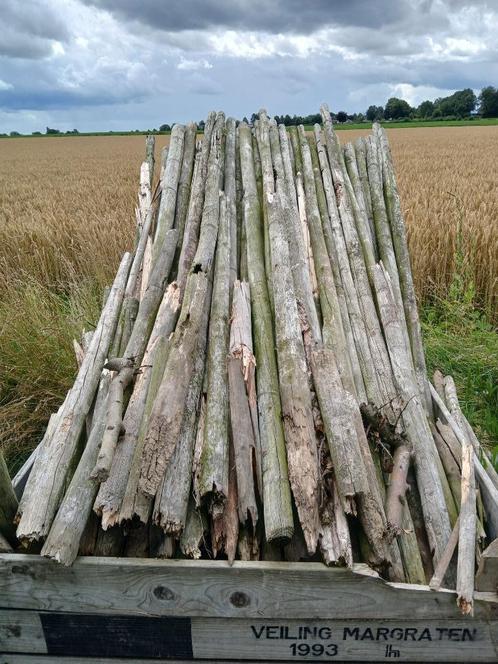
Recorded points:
(487, 574)
(96, 637)
(21, 631)
(214, 589)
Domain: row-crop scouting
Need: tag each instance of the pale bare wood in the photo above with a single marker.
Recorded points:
(8, 502)
(185, 180)
(396, 490)
(53, 463)
(150, 144)
(193, 534)
(467, 534)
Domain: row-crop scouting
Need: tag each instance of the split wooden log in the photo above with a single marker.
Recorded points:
(171, 178)
(276, 489)
(113, 503)
(53, 464)
(335, 540)
(133, 355)
(467, 534)
(170, 511)
(213, 480)
(361, 160)
(297, 411)
(8, 503)
(63, 541)
(243, 405)
(192, 538)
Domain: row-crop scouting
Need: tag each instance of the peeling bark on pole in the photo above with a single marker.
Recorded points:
(53, 464)
(243, 404)
(213, 481)
(171, 178)
(297, 413)
(276, 490)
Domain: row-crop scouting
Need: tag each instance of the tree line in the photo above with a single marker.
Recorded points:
(460, 105)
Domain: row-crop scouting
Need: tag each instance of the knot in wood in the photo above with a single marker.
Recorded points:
(163, 593)
(240, 599)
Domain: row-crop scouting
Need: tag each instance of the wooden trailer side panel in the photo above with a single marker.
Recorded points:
(111, 610)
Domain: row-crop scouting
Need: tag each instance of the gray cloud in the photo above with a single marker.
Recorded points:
(29, 29)
(294, 16)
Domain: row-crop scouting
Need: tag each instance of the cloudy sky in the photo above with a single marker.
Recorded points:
(135, 64)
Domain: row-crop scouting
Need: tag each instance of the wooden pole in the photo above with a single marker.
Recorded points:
(8, 502)
(276, 489)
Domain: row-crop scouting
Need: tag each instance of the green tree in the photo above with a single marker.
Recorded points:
(426, 109)
(342, 116)
(164, 127)
(397, 108)
(460, 104)
(52, 131)
(488, 102)
(374, 113)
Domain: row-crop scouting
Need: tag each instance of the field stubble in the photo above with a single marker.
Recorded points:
(66, 216)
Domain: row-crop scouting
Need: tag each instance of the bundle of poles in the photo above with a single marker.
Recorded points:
(256, 386)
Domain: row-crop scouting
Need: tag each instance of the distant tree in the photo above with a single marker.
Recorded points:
(36, 133)
(342, 116)
(359, 117)
(52, 131)
(72, 131)
(14, 133)
(460, 104)
(374, 113)
(164, 127)
(397, 108)
(244, 119)
(201, 125)
(425, 109)
(254, 117)
(488, 102)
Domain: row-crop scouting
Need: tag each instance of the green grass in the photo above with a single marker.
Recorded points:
(481, 122)
(478, 122)
(459, 341)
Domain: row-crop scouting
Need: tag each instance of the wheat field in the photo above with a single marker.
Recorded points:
(67, 214)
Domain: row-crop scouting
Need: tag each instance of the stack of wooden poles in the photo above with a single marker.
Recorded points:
(256, 388)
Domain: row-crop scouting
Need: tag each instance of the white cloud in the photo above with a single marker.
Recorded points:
(194, 65)
(5, 86)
